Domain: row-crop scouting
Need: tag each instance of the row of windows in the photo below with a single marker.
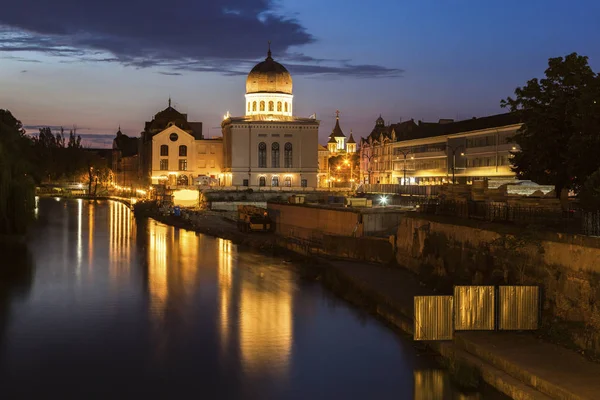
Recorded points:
(164, 150)
(275, 157)
(287, 181)
(183, 165)
(489, 140)
(261, 106)
(488, 161)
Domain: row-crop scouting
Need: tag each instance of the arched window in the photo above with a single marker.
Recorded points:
(275, 155)
(183, 151)
(164, 150)
(248, 106)
(262, 155)
(275, 181)
(262, 106)
(271, 106)
(262, 181)
(279, 106)
(287, 155)
(182, 180)
(287, 182)
(254, 106)
(286, 109)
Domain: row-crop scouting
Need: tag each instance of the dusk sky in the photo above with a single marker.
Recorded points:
(101, 64)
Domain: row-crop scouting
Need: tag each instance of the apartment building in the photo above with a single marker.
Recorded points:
(435, 153)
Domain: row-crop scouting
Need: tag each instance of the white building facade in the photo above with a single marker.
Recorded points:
(268, 146)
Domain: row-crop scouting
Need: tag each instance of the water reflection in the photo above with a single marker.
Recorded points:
(180, 314)
(16, 277)
(265, 327)
(157, 268)
(225, 257)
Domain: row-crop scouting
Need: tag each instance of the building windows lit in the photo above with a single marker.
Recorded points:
(275, 155)
(271, 106)
(262, 155)
(183, 165)
(287, 155)
(182, 151)
(164, 164)
(262, 181)
(262, 106)
(275, 181)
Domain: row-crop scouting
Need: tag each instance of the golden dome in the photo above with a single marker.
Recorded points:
(269, 77)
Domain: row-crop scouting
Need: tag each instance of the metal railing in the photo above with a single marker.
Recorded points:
(569, 221)
(412, 190)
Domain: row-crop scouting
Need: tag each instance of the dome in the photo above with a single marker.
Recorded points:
(269, 77)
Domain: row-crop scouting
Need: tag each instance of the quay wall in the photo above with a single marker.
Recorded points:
(444, 252)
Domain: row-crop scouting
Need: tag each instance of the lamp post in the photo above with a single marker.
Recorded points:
(454, 150)
(405, 153)
(369, 158)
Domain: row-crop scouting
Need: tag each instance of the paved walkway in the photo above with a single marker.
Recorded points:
(553, 370)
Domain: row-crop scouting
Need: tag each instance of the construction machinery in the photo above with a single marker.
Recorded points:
(254, 219)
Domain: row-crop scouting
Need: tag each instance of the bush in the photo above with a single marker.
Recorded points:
(589, 196)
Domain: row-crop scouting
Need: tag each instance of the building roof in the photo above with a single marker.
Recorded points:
(337, 131)
(332, 139)
(167, 117)
(269, 77)
(197, 130)
(320, 147)
(410, 130)
(269, 118)
(351, 139)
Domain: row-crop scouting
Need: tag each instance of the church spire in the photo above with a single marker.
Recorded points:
(269, 52)
(169, 101)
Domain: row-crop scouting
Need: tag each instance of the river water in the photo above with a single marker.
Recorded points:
(101, 306)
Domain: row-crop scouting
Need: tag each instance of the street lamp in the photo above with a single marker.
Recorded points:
(405, 153)
(369, 157)
(454, 150)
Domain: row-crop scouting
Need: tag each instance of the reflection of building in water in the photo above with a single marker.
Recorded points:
(157, 267)
(91, 211)
(265, 322)
(435, 384)
(225, 257)
(172, 265)
(432, 385)
(120, 236)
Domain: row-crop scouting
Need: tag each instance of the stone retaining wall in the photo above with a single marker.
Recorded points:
(566, 267)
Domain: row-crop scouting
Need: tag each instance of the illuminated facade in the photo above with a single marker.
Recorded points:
(337, 140)
(268, 146)
(431, 153)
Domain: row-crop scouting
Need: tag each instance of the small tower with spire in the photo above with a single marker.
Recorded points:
(351, 144)
(337, 133)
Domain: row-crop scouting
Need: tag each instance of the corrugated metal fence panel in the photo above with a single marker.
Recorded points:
(519, 307)
(434, 318)
(432, 384)
(474, 308)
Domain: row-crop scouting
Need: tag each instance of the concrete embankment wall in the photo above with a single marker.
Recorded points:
(233, 205)
(447, 252)
(305, 220)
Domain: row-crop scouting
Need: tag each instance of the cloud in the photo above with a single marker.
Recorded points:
(23, 71)
(222, 36)
(170, 73)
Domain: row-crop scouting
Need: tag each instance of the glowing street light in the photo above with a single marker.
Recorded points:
(383, 200)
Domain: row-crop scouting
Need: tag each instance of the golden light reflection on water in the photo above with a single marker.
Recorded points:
(121, 231)
(265, 324)
(157, 268)
(435, 384)
(91, 214)
(225, 257)
(431, 385)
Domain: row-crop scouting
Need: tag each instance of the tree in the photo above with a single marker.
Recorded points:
(557, 122)
(17, 189)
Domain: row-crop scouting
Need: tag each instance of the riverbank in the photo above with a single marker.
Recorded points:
(518, 364)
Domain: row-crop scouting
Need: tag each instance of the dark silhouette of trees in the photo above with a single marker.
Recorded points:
(560, 139)
(17, 188)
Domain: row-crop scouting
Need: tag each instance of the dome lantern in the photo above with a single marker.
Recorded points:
(269, 88)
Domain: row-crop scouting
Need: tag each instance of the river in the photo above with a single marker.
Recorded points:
(100, 306)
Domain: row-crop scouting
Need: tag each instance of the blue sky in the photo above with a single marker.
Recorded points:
(114, 63)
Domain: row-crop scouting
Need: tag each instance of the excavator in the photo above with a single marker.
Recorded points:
(254, 219)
